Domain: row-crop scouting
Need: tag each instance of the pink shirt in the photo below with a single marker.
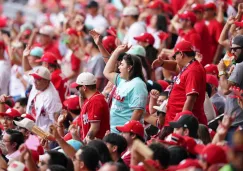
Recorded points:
(32, 142)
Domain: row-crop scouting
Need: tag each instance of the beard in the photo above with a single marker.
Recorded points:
(240, 58)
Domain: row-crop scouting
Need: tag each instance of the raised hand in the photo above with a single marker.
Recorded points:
(154, 94)
(157, 63)
(96, 36)
(123, 48)
(4, 98)
(26, 51)
(240, 8)
(231, 20)
(62, 117)
(53, 133)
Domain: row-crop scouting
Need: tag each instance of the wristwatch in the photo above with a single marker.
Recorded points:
(222, 73)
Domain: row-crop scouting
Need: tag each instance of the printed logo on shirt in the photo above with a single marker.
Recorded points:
(85, 119)
(118, 97)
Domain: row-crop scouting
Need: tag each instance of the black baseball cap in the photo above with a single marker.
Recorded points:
(92, 4)
(238, 40)
(186, 121)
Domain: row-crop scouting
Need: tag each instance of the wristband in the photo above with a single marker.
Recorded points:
(222, 73)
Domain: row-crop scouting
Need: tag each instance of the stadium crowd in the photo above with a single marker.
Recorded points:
(140, 85)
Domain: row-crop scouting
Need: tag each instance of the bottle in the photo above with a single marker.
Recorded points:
(229, 59)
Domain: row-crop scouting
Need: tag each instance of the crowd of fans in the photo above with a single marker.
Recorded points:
(141, 85)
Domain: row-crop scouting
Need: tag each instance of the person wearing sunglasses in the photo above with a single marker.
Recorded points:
(234, 79)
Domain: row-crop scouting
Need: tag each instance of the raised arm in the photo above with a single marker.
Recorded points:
(109, 71)
(25, 62)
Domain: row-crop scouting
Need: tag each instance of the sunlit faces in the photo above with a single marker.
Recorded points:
(124, 70)
(7, 122)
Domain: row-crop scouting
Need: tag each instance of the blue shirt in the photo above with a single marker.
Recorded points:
(129, 95)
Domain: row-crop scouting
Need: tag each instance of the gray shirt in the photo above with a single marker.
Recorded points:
(219, 102)
(231, 105)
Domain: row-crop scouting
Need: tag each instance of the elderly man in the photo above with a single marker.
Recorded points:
(44, 100)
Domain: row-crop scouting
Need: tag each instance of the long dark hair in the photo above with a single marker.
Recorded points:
(135, 62)
(161, 23)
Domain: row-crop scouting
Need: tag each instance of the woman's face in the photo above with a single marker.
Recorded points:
(124, 70)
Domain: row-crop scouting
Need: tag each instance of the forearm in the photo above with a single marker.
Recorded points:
(220, 15)
(218, 54)
(104, 52)
(3, 163)
(2, 107)
(109, 68)
(224, 34)
(137, 114)
(93, 130)
(170, 65)
(72, 75)
(25, 64)
(30, 164)
(24, 82)
(224, 84)
(151, 119)
(152, 102)
(60, 129)
(190, 101)
(68, 149)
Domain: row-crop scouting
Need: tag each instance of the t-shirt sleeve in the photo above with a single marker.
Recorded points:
(193, 83)
(236, 76)
(118, 80)
(95, 110)
(99, 67)
(138, 97)
(75, 63)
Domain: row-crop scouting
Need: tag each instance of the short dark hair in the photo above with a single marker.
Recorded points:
(119, 166)
(76, 111)
(55, 66)
(116, 140)
(15, 137)
(57, 158)
(56, 167)
(136, 64)
(102, 149)
(91, 87)
(90, 157)
(177, 154)
(22, 101)
(161, 153)
(190, 54)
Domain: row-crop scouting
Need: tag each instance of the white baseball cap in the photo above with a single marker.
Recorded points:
(41, 73)
(16, 166)
(25, 123)
(84, 78)
(130, 11)
(162, 107)
(47, 30)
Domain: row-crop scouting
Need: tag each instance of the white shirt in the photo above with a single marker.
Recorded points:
(209, 109)
(136, 29)
(157, 40)
(5, 69)
(16, 88)
(46, 104)
(99, 23)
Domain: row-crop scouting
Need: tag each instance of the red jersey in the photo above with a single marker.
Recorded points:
(193, 37)
(53, 49)
(75, 63)
(191, 81)
(94, 109)
(60, 83)
(203, 31)
(214, 28)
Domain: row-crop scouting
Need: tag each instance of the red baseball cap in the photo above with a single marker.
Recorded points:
(211, 79)
(49, 58)
(163, 84)
(11, 113)
(132, 126)
(238, 24)
(213, 154)
(188, 15)
(145, 37)
(175, 139)
(183, 46)
(191, 145)
(184, 164)
(163, 35)
(71, 31)
(156, 4)
(178, 115)
(211, 69)
(109, 43)
(149, 162)
(210, 5)
(198, 7)
(111, 31)
(72, 102)
(28, 116)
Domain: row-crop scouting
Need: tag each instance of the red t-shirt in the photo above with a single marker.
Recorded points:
(214, 28)
(75, 63)
(203, 31)
(60, 83)
(53, 49)
(193, 37)
(191, 81)
(94, 109)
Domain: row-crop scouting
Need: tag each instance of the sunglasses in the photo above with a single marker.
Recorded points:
(235, 48)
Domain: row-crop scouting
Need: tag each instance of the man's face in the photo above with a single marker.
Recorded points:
(43, 39)
(7, 122)
(32, 60)
(236, 50)
(7, 143)
(20, 108)
(209, 13)
(179, 58)
(43, 163)
(161, 99)
(127, 20)
(128, 137)
(40, 84)
(92, 11)
(179, 131)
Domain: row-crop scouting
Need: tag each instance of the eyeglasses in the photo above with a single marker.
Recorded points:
(42, 163)
(235, 48)
(6, 118)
